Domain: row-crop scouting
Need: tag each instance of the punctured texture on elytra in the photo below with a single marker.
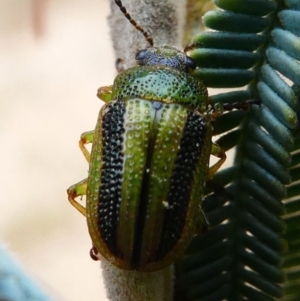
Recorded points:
(140, 215)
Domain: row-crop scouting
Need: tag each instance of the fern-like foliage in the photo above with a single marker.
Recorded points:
(252, 251)
(291, 259)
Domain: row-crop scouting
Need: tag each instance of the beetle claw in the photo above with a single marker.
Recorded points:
(94, 254)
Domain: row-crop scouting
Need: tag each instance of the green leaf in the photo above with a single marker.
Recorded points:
(252, 251)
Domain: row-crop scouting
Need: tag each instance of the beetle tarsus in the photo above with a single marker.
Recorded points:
(120, 65)
(94, 254)
(241, 105)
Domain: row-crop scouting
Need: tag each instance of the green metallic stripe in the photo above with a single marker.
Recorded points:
(194, 215)
(191, 148)
(138, 130)
(169, 124)
(195, 219)
(145, 198)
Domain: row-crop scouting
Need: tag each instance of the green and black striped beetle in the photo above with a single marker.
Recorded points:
(149, 161)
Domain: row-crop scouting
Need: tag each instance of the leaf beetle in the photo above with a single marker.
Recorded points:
(149, 161)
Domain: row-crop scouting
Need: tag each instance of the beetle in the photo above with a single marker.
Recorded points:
(149, 161)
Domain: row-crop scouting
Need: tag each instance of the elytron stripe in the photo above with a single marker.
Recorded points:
(191, 145)
(144, 196)
(111, 176)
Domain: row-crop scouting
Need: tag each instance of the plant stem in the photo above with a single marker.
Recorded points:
(122, 285)
(163, 20)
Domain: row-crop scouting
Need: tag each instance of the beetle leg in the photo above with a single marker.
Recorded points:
(86, 138)
(94, 253)
(120, 65)
(241, 105)
(203, 224)
(78, 189)
(218, 108)
(216, 151)
(104, 93)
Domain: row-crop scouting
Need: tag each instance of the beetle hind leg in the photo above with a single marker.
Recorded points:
(104, 93)
(218, 152)
(94, 254)
(78, 189)
(202, 225)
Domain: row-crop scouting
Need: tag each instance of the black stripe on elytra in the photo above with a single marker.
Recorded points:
(191, 145)
(144, 195)
(111, 173)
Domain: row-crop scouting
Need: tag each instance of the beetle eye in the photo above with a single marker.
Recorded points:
(141, 55)
(190, 63)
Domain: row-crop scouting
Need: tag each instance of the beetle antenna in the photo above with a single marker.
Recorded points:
(192, 46)
(133, 22)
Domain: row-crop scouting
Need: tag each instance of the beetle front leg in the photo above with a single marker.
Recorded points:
(86, 138)
(120, 65)
(216, 151)
(104, 93)
(78, 189)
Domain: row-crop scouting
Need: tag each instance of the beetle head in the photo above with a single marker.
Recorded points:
(165, 56)
(159, 56)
